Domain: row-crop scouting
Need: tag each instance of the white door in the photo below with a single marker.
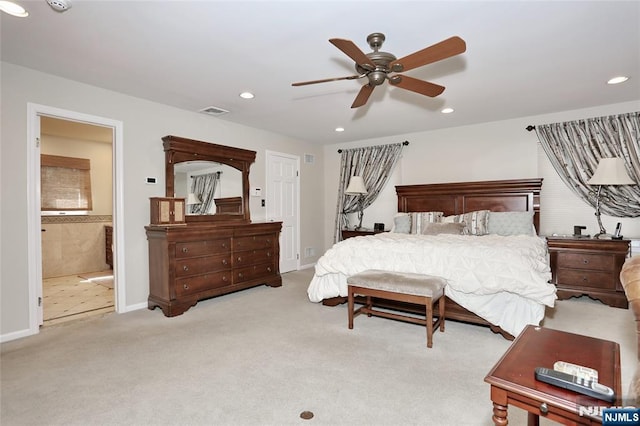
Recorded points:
(282, 204)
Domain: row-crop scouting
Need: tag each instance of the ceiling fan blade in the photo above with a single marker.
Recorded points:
(415, 85)
(351, 50)
(437, 52)
(363, 96)
(351, 77)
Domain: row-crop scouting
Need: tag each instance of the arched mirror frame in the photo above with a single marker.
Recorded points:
(178, 150)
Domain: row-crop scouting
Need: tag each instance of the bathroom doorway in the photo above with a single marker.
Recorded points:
(77, 245)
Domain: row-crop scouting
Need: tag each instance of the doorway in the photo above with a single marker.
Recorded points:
(282, 202)
(35, 114)
(76, 245)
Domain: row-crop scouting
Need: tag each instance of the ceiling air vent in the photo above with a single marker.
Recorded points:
(211, 110)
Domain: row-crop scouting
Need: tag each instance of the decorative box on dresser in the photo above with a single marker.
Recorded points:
(588, 266)
(197, 256)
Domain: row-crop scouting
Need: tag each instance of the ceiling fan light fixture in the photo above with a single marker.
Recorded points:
(618, 79)
(247, 95)
(447, 110)
(339, 129)
(13, 9)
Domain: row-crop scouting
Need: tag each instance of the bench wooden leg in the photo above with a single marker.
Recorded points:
(441, 312)
(429, 321)
(350, 306)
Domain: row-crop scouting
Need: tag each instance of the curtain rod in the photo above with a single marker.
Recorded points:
(405, 143)
(530, 128)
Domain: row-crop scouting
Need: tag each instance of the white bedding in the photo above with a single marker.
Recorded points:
(503, 279)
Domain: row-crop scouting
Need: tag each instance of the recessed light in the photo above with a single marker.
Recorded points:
(618, 80)
(247, 95)
(339, 129)
(13, 9)
(447, 110)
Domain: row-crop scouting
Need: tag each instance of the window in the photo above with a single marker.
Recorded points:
(65, 184)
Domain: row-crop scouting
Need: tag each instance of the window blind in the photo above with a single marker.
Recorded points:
(65, 183)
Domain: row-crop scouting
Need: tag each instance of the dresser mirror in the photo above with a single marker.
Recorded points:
(213, 179)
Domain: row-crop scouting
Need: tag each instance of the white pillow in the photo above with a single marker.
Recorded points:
(401, 223)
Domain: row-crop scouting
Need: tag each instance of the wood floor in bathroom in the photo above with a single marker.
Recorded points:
(77, 296)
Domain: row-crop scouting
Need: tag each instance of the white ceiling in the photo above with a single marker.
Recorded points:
(523, 58)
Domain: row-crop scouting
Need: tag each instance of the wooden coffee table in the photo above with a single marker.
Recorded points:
(512, 378)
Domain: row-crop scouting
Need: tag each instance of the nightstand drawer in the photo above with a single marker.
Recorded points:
(585, 278)
(597, 262)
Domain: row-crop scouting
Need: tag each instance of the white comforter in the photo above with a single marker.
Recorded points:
(502, 279)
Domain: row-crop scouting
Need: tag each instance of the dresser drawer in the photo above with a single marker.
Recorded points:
(253, 272)
(585, 278)
(251, 257)
(253, 242)
(201, 265)
(198, 283)
(599, 262)
(203, 248)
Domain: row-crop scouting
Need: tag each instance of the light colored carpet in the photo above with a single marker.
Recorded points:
(264, 355)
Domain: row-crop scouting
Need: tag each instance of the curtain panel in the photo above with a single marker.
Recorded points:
(575, 148)
(204, 187)
(374, 164)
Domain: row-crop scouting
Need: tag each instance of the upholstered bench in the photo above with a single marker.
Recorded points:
(402, 287)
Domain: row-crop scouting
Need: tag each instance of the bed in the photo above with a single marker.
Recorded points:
(477, 293)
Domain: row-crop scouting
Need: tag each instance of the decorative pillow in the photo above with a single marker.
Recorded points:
(511, 223)
(401, 223)
(420, 219)
(477, 221)
(444, 228)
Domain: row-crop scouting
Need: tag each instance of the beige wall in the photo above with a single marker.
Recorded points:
(144, 124)
(488, 151)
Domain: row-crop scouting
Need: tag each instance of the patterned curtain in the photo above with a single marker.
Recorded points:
(575, 148)
(204, 187)
(374, 164)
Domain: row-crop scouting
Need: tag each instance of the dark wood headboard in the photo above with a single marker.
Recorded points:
(463, 197)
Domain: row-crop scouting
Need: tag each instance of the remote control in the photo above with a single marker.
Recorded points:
(576, 384)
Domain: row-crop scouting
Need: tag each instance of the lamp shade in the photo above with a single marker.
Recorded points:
(611, 171)
(356, 186)
(193, 199)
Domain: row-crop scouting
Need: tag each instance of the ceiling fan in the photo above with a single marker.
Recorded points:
(377, 66)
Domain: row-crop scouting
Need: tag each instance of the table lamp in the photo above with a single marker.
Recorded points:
(356, 187)
(610, 171)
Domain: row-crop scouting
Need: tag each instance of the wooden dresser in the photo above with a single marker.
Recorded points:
(199, 261)
(198, 256)
(588, 266)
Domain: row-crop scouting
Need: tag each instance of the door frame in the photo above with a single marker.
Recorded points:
(269, 195)
(34, 222)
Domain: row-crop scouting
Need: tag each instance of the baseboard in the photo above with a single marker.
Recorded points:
(310, 265)
(135, 307)
(16, 335)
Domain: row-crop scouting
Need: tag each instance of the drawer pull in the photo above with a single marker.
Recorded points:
(185, 268)
(585, 261)
(544, 408)
(240, 275)
(239, 258)
(185, 249)
(224, 261)
(224, 245)
(269, 268)
(268, 254)
(585, 279)
(185, 286)
(224, 278)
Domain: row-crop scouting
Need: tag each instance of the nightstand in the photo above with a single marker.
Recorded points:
(348, 233)
(587, 266)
